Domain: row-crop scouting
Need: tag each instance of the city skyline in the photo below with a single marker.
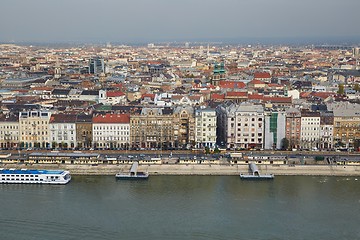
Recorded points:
(141, 21)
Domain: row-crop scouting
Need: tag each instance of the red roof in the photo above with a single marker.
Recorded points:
(255, 81)
(305, 94)
(261, 75)
(115, 94)
(112, 118)
(274, 85)
(277, 99)
(216, 96)
(231, 84)
(148, 95)
(323, 95)
(236, 94)
(256, 96)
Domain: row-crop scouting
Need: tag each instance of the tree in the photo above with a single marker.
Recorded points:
(285, 144)
(341, 90)
(357, 87)
(207, 150)
(216, 150)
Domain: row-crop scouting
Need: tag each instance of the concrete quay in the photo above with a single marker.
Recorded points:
(200, 169)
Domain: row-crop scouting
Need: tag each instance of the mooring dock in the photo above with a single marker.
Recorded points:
(255, 173)
(133, 173)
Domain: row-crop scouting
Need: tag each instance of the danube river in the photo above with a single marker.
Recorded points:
(183, 207)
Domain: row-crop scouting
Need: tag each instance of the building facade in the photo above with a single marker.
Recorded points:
(310, 129)
(184, 126)
(205, 128)
(63, 131)
(244, 125)
(293, 127)
(9, 131)
(152, 128)
(111, 131)
(274, 131)
(326, 130)
(34, 129)
(84, 134)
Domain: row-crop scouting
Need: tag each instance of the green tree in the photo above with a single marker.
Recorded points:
(341, 90)
(207, 150)
(356, 87)
(285, 144)
(216, 150)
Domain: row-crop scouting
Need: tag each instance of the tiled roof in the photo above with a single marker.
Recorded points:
(261, 75)
(112, 118)
(231, 84)
(115, 94)
(216, 96)
(63, 118)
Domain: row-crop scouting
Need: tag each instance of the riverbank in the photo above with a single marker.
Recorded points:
(200, 169)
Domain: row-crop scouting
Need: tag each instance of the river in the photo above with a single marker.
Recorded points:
(183, 207)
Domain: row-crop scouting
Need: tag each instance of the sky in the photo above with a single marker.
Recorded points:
(144, 21)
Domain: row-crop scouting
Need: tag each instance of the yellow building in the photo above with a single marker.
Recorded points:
(346, 126)
(34, 129)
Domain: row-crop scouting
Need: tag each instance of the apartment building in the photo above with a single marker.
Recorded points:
(241, 125)
(205, 127)
(111, 131)
(310, 129)
(152, 127)
(293, 127)
(34, 129)
(9, 131)
(63, 131)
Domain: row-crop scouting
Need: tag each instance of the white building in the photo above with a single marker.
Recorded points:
(310, 130)
(63, 131)
(274, 132)
(241, 126)
(111, 97)
(205, 128)
(111, 131)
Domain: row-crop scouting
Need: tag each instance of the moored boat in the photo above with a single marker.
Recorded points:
(34, 176)
(138, 175)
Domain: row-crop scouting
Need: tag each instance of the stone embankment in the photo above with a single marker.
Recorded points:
(200, 169)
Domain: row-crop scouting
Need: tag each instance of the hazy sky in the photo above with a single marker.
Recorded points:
(166, 20)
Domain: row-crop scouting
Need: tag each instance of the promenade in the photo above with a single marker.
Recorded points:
(200, 169)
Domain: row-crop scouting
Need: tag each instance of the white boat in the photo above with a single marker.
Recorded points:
(34, 176)
(138, 175)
